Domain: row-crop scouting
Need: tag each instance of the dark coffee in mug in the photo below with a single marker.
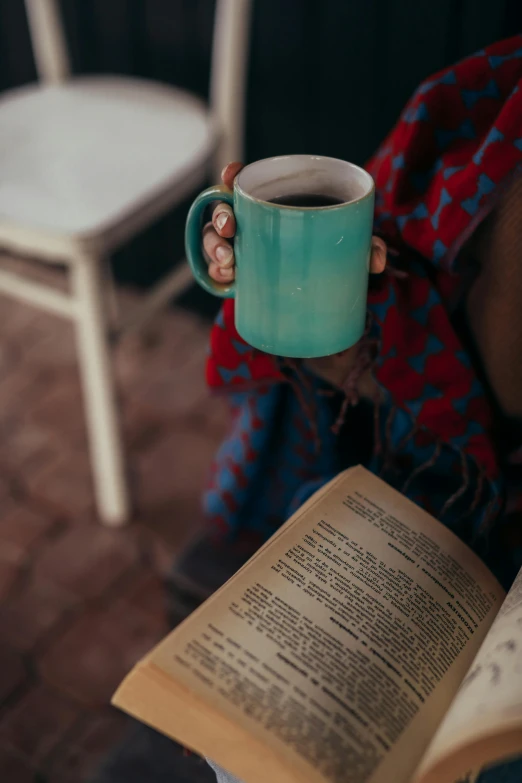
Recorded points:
(310, 200)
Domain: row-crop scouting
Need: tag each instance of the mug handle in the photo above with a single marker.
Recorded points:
(193, 247)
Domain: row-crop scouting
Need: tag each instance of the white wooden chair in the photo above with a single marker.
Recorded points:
(85, 163)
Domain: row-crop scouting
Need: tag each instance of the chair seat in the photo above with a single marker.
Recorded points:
(80, 157)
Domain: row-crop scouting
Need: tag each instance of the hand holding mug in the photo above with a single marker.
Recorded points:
(220, 254)
(298, 268)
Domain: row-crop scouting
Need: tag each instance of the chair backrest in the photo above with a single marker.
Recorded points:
(48, 40)
(230, 48)
(229, 69)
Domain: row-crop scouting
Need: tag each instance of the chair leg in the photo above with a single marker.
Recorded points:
(98, 389)
(111, 299)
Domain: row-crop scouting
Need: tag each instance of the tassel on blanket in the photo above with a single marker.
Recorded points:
(463, 487)
(291, 368)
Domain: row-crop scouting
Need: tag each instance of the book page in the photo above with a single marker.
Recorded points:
(340, 645)
(485, 720)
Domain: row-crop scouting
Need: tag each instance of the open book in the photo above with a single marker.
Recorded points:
(364, 643)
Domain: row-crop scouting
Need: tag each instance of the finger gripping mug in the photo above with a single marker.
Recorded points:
(302, 250)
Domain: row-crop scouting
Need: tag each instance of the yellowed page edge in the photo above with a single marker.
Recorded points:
(154, 698)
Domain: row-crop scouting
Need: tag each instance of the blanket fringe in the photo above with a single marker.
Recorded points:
(463, 487)
(302, 385)
(425, 465)
(376, 429)
(390, 451)
(364, 361)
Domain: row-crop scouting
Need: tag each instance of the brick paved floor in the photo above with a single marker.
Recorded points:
(80, 603)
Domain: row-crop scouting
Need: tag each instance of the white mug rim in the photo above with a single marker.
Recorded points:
(352, 167)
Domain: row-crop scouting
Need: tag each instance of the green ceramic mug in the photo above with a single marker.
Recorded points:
(301, 271)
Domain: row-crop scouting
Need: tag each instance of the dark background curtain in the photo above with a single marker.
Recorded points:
(326, 76)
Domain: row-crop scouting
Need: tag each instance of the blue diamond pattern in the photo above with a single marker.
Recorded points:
(451, 170)
(493, 135)
(476, 389)
(463, 358)
(420, 211)
(496, 61)
(415, 406)
(401, 425)
(461, 405)
(381, 308)
(439, 250)
(392, 353)
(466, 130)
(470, 97)
(433, 345)
(420, 314)
(220, 319)
(429, 392)
(473, 428)
(447, 78)
(241, 347)
(484, 186)
(231, 375)
(416, 114)
(445, 199)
